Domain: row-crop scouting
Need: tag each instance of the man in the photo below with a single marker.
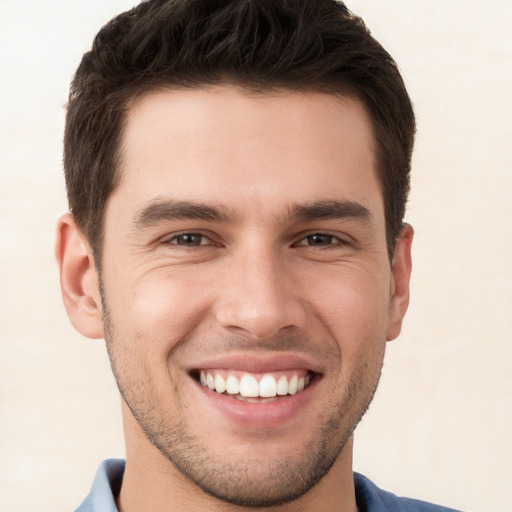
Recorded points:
(237, 174)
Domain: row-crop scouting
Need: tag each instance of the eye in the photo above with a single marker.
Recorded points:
(189, 240)
(319, 240)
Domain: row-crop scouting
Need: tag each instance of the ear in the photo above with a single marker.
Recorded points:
(400, 277)
(78, 278)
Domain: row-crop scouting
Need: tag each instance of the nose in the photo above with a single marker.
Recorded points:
(259, 297)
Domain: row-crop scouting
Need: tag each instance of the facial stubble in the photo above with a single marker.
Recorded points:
(261, 482)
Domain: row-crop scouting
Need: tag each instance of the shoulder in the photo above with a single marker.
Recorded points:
(371, 498)
(105, 487)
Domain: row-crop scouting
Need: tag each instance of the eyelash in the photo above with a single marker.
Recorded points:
(333, 240)
(189, 234)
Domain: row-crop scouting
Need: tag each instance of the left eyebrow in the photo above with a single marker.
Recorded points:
(329, 210)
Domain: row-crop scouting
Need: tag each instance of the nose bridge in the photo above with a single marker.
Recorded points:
(257, 297)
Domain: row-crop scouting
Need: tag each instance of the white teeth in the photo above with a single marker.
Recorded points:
(282, 386)
(292, 385)
(232, 385)
(268, 386)
(220, 384)
(248, 386)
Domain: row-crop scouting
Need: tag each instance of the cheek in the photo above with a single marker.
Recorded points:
(352, 305)
(351, 299)
(151, 318)
(162, 304)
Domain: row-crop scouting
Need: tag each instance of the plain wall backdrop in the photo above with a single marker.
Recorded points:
(441, 424)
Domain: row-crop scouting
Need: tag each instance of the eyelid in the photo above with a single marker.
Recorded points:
(338, 238)
(212, 238)
(169, 239)
(174, 240)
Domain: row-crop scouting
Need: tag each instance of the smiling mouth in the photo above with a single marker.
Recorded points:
(258, 388)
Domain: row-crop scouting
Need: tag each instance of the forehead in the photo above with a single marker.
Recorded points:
(226, 146)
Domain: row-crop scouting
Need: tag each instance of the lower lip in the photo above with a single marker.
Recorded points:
(259, 415)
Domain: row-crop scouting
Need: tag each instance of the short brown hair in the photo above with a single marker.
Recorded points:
(316, 45)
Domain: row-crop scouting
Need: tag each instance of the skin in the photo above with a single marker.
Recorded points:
(263, 280)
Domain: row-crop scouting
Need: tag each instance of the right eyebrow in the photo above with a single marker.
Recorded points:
(162, 210)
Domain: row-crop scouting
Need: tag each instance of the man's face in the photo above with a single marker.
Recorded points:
(245, 248)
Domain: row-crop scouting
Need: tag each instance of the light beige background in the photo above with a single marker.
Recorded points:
(441, 425)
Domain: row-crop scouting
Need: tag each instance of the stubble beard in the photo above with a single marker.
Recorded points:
(247, 483)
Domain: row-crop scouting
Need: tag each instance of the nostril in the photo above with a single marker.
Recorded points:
(259, 313)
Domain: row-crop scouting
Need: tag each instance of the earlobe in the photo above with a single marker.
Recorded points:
(78, 278)
(400, 277)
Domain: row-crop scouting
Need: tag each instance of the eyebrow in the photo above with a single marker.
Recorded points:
(162, 210)
(165, 210)
(329, 210)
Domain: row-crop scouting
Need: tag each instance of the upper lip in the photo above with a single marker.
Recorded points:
(258, 363)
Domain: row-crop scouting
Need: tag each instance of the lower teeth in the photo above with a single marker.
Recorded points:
(254, 400)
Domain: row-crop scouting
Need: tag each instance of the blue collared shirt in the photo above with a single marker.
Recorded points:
(108, 479)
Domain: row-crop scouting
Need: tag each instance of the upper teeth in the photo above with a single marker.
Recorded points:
(248, 385)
